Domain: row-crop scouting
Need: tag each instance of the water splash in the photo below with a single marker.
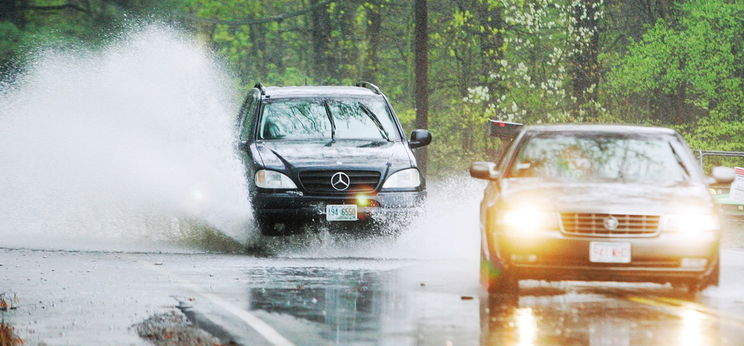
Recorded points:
(130, 148)
(447, 230)
(132, 143)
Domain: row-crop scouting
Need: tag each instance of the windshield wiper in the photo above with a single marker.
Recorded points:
(333, 123)
(679, 160)
(375, 120)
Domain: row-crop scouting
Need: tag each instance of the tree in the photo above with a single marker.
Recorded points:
(585, 15)
(324, 64)
(689, 68)
(421, 61)
(372, 30)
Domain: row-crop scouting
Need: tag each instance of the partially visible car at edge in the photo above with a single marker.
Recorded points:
(720, 187)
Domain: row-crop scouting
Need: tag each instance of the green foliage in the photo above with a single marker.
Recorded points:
(518, 60)
(696, 60)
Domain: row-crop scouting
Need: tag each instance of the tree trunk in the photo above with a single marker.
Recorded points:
(491, 35)
(421, 61)
(346, 51)
(12, 11)
(585, 71)
(258, 41)
(320, 23)
(374, 24)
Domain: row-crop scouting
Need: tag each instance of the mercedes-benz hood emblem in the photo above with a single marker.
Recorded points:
(340, 181)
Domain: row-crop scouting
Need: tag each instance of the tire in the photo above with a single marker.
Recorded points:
(269, 228)
(715, 276)
(497, 280)
(693, 288)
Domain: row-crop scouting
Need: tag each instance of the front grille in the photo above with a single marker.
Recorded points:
(320, 181)
(592, 224)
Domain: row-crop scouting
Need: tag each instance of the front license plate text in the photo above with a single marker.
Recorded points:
(342, 212)
(606, 252)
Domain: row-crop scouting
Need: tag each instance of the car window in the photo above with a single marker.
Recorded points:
(593, 157)
(248, 111)
(353, 118)
(357, 119)
(295, 119)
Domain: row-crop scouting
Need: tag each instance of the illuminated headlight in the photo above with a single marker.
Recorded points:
(691, 223)
(527, 220)
(405, 179)
(273, 180)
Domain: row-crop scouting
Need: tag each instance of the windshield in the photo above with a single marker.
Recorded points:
(604, 158)
(338, 118)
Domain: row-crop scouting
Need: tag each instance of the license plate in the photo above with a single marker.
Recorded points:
(342, 212)
(600, 252)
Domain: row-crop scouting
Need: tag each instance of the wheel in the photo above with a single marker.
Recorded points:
(693, 288)
(273, 229)
(715, 276)
(497, 279)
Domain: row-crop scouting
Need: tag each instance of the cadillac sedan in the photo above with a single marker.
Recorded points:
(596, 203)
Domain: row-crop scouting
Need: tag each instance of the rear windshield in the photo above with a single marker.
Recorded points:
(601, 158)
(337, 118)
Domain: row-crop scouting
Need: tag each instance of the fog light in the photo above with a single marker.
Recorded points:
(693, 262)
(524, 258)
(362, 200)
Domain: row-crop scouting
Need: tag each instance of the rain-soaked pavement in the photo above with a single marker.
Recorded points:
(90, 297)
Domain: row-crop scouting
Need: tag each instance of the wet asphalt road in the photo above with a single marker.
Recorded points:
(93, 298)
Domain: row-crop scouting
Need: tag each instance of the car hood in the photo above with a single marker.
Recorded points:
(612, 198)
(285, 154)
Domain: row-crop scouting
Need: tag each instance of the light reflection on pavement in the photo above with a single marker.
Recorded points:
(358, 301)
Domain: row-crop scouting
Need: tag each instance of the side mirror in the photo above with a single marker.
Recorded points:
(483, 170)
(419, 138)
(723, 175)
(244, 146)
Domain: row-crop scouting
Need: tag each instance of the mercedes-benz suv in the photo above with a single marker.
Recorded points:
(330, 154)
(596, 203)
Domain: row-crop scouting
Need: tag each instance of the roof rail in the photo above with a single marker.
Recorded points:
(370, 86)
(260, 87)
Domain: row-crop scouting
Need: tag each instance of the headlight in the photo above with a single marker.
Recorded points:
(405, 179)
(526, 219)
(691, 223)
(273, 180)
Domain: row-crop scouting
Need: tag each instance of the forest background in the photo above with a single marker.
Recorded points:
(675, 63)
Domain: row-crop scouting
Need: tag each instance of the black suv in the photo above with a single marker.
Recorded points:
(335, 154)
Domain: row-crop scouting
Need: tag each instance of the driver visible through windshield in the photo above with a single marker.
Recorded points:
(600, 158)
(312, 119)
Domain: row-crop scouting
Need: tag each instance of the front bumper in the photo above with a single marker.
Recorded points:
(294, 206)
(732, 211)
(551, 255)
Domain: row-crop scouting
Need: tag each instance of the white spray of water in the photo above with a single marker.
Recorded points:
(448, 230)
(119, 145)
(128, 147)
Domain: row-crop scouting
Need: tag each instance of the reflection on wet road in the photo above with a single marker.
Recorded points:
(351, 300)
(369, 306)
